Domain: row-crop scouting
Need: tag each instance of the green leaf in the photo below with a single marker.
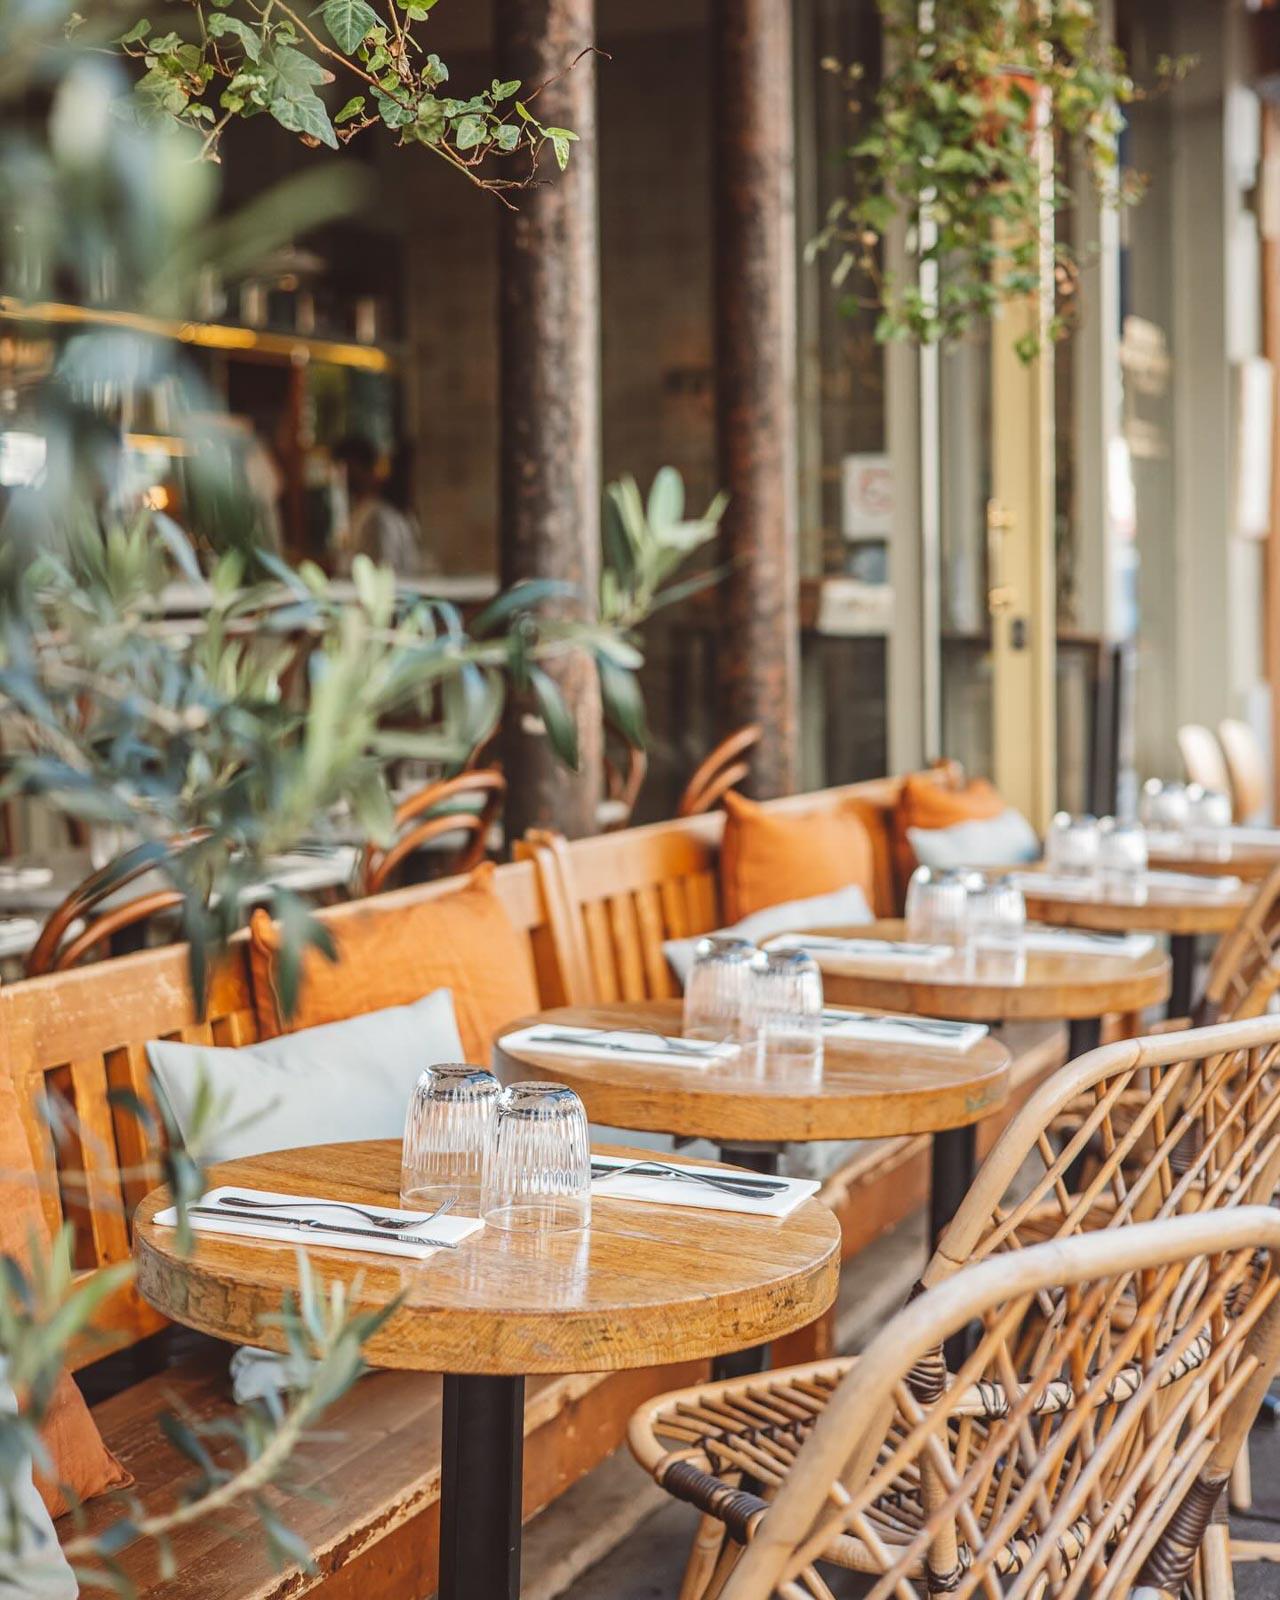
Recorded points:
(623, 702)
(471, 132)
(506, 136)
(504, 91)
(562, 731)
(295, 71)
(561, 148)
(392, 112)
(304, 113)
(222, 23)
(348, 22)
(140, 30)
(353, 108)
(666, 499)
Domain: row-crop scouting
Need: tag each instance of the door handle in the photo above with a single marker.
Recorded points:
(1001, 595)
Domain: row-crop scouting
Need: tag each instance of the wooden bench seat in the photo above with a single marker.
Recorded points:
(375, 1468)
(363, 1494)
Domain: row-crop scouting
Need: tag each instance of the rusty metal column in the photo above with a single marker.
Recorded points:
(758, 652)
(549, 317)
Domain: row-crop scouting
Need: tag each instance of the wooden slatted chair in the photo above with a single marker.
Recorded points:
(1246, 769)
(722, 770)
(1181, 1123)
(440, 810)
(1095, 1470)
(69, 1039)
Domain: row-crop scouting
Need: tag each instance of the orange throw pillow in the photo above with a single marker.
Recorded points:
(81, 1462)
(925, 803)
(463, 941)
(767, 857)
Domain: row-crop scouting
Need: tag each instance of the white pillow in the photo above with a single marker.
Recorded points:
(1008, 840)
(31, 1560)
(836, 910)
(328, 1085)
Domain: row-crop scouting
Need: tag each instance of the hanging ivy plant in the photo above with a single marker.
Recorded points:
(954, 146)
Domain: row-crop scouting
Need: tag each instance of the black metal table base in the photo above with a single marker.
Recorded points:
(955, 1164)
(1083, 1034)
(481, 1473)
(743, 1363)
(1182, 954)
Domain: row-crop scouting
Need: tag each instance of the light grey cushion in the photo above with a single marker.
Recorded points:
(329, 1085)
(32, 1564)
(841, 908)
(1008, 840)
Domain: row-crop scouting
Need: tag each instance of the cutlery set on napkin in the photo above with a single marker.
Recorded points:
(836, 955)
(624, 1044)
(1084, 942)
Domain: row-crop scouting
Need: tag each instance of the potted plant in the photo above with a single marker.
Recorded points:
(982, 106)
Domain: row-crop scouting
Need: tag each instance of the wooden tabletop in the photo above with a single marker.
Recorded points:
(864, 1091)
(1249, 861)
(1054, 986)
(643, 1285)
(1110, 907)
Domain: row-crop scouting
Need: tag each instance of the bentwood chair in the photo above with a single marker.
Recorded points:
(1246, 768)
(1094, 1468)
(97, 911)
(1244, 973)
(722, 770)
(463, 809)
(1142, 1129)
(1202, 757)
(625, 770)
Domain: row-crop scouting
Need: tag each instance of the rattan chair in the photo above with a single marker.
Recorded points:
(1246, 768)
(1137, 1130)
(440, 810)
(1245, 971)
(1094, 1470)
(722, 770)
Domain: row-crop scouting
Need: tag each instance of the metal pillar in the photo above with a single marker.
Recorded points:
(549, 331)
(755, 310)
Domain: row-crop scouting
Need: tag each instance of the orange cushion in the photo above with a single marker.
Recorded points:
(877, 818)
(767, 857)
(82, 1464)
(923, 802)
(463, 941)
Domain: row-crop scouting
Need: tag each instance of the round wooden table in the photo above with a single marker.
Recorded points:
(643, 1285)
(864, 1091)
(1143, 907)
(1252, 862)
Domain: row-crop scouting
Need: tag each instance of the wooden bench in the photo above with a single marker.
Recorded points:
(613, 899)
(373, 1526)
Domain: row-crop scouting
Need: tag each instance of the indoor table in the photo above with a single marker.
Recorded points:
(862, 1091)
(1153, 905)
(1251, 854)
(644, 1285)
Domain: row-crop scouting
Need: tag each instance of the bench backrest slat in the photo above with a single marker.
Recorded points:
(615, 898)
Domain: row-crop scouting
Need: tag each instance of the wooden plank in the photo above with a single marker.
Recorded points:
(99, 1162)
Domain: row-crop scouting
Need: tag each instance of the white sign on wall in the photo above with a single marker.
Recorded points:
(866, 496)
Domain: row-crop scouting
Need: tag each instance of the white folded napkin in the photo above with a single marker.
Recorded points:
(1205, 883)
(621, 1044)
(837, 955)
(1059, 884)
(1237, 833)
(1079, 941)
(328, 1238)
(701, 1196)
(923, 1033)
(12, 878)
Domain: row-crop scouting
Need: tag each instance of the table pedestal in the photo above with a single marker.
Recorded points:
(481, 1473)
(1182, 953)
(743, 1363)
(1083, 1034)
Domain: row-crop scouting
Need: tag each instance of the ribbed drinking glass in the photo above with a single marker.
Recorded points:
(717, 995)
(537, 1174)
(936, 906)
(446, 1135)
(786, 1010)
(1122, 851)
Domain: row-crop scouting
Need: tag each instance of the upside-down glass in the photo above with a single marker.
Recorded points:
(1077, 846)
(1122, 851)
(1165, 807)
(446, 1134)
(996, 913)
(717, 995)
(786, 1010)
(1054, 835)
(936, 906)
(537, 1173)
(1209, 808)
